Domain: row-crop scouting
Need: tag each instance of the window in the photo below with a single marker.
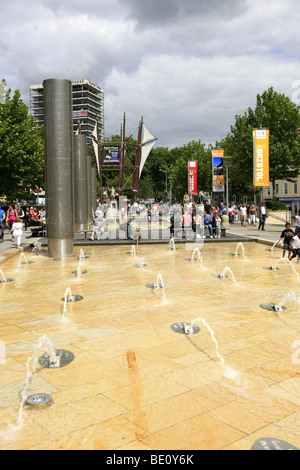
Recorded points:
(268, 191)
(285, 189)
(295, 188)
(277, 188)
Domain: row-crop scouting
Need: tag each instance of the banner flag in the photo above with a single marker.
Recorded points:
(111, 155)
(217, 170)
(261, 157)
(192, 170)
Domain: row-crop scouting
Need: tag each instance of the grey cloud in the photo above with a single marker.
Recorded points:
(153, 13)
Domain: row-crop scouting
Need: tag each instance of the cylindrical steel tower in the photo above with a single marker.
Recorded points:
(80, 183)
(89, 187)
(59, 166)
(94, 187)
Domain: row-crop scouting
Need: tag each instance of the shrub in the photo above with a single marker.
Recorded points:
(276, 205)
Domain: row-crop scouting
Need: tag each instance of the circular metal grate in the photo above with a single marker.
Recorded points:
(72, 298)
(64, 358)
(273, 307)
(79, 272)
(38, 400)
(180, 327)
(154, 286)
(8, 279)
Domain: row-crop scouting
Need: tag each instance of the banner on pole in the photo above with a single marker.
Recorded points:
(192, 171)
(111, 155)
(261, 157)
(217, 170)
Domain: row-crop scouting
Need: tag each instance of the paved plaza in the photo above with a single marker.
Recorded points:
(135, 380)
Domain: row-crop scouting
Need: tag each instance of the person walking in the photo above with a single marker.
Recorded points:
(11, 215)
(2, 222)
(262, 215)
(243, 214)
(26, 218)
(252, 214)
(17, 231)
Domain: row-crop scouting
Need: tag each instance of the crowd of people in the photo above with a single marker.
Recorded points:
(17, 219)
(193, 220)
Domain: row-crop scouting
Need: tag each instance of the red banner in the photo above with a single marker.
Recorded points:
(192, 177)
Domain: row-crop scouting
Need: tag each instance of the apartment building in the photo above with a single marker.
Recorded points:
(88, 106)
(286, 192)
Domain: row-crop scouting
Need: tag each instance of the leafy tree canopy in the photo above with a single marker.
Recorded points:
(21, 148)
(281, 116)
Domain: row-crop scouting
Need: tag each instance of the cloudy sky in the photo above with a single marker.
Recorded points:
(187, 66)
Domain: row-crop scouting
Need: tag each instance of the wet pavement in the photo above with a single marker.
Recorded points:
(134, 383)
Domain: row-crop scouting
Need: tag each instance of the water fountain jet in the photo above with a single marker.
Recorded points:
(4, 279)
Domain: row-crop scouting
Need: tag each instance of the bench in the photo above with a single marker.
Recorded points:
(37, 230)
(85, 232)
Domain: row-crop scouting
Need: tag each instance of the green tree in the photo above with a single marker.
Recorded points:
(281, 116)
(194, 151)
(21, 149)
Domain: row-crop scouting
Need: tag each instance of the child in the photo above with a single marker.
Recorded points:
(286, 235)
(17, 230)
(295, 245)
(218, 226)
(98, 225)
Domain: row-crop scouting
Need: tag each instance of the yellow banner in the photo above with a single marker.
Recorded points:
(217, 170)
(261, 157)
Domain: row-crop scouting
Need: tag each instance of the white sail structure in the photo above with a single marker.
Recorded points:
(95, 144)
(147, 144)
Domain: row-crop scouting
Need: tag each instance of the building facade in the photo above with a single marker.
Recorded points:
(286, 192)
(88, 107)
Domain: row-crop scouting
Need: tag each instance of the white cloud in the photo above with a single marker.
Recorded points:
(187, 67)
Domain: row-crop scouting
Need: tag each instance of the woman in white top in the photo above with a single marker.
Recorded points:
(17, 230)
(295, 245)
(297, 223)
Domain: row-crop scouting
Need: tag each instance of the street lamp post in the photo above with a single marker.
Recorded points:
(226, 162)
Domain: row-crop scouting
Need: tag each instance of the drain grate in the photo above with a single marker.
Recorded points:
(9, 279)
(179, 327)
(79, 272)
(220, 276)
(152, 285)
(64, 358)
(273, 307)
(39, 400)
(272, 268)
(72, 298)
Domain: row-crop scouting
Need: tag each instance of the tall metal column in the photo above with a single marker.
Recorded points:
(94, 187)
(89, 187)
(80, 183)
(59, 166)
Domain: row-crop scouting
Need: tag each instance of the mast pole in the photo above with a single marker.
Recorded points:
(122, 159)
(99, 165)
(137, 160)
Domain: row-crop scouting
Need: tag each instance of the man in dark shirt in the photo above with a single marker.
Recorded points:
(286, 235)
(207, 207)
